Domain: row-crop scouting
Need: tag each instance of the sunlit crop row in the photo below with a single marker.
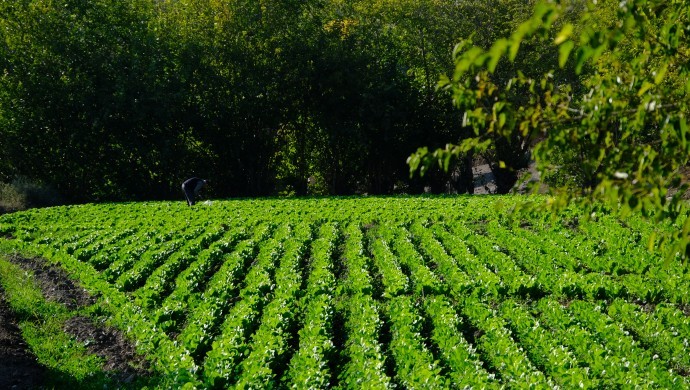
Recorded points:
(445, 292)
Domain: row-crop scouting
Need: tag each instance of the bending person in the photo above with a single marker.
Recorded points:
(191, 188)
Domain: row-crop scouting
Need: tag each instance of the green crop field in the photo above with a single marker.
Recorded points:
(406, 292)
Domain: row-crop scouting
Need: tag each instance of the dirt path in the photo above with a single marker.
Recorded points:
(484, 181)
(110, 344)
(18, 366)
(54, 283)
(122, 364)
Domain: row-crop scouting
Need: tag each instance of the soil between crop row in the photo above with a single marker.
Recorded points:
(122, 363)
(19, 368)
(55, 283)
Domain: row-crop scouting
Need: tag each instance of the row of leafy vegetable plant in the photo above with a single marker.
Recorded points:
(454, 299)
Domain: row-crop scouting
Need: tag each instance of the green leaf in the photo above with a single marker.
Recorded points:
(466, 60)
(498, 49)
(564, 52)
(443, 82)
(565, 33)
(460, 48)
(683, 128)
(660, 74)
(446, 161)
(583, 54)
(514, 48)
(646, 86)
(652, 240)
(416, 159)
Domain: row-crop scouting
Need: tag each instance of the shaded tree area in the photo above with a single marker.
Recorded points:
(108, 100)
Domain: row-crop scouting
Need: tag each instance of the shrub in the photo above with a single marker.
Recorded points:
(24, 193)
(10, 199)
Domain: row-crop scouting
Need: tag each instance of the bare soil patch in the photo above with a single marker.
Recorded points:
(119, 354)
(686, 309)
(18, 366)
(54, 283)
(121, 361)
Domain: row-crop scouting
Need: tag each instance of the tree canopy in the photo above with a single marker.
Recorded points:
(605, 113)
(123, 100)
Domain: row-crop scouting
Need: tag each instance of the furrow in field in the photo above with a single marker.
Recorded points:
(222, 292)
(547, 354)
(546, 268)
(107, 244)
(499, 349)
(486, 281)
(610, 363)
(423, 279)
(617, 339)
(362, 361)
(136, 275)
(445, 265)
(270, 347)
(102, 260)
(230, 347)
(181, 245)
(464, 365)
(311, 366)
(415, 366)
(152, 242)
(386, 267)
(667, 340)
(514, 278)
(159, 283)
(229, 264)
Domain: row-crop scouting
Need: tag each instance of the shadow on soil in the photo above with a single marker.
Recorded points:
(19, 368)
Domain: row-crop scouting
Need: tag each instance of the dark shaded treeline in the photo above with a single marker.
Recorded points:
(124, 100)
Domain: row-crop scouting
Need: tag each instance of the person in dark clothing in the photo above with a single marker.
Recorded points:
(191, 188)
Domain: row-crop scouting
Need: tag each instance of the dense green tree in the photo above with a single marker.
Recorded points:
(618, 135)
(82, 105)
(366, 103)
(124, 100)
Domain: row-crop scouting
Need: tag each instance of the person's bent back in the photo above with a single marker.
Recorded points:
(191, 188)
